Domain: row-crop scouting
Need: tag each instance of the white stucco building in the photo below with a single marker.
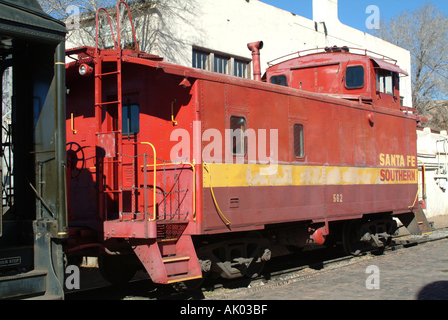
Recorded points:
(213, 35)
(433, 154)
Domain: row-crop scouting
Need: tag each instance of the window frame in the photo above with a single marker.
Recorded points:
(212, 60)
(243, 137)
(204, 63)
(221, 64)
(277, 76)
(236, 66)
(301, 138)
(131, 123)
(363, 79)
(385, 74)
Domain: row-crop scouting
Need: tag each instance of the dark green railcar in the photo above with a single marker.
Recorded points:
(33, 218)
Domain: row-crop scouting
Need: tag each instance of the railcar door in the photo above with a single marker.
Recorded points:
(119, 187)
(131, 129)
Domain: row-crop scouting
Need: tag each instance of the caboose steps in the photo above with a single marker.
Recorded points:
(170, 261)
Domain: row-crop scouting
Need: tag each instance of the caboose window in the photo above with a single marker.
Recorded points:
(384, 81)
(131, 119)
(280, 80)
(354, 77)
(237, 130)
(299, 150)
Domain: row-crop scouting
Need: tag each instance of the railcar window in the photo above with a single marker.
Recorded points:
(384, 81)
(299, 150)
(237, 130)
(131, 119)
(280, 80)
(354, 77)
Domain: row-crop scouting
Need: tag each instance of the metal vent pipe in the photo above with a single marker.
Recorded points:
(255, 47)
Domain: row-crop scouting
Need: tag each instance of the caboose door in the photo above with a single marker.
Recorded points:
(116, 154)
(131, 128)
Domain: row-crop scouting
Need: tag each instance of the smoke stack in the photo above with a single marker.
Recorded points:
(255, 47)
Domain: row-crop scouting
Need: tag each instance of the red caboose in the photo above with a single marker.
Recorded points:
(194, 173)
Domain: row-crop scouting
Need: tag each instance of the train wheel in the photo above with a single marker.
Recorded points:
(115, 270)
(350, 238)
(188, 286)
(255, 268)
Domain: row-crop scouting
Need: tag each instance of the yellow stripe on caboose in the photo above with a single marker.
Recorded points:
(253, 175)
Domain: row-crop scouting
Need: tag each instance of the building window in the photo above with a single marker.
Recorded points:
(384, 81)
(200, 59)
(299, 150)
(354, 77)
(131, 119)
(221, 63)
(240, 68)
(237, 130)
(280, 80)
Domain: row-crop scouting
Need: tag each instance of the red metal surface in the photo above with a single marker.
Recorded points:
(345, 126)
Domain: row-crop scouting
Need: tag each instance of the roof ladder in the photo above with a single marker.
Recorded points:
(109, 139)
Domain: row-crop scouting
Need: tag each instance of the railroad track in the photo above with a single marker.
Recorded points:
(279, 271)
(313, 269)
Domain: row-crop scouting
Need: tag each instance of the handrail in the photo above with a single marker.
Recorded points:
(117, 43)
(194, 178)
(423, 180)
(155, 165)
(418, 186)
(154, 181)
(172, 113)
(301, 54)
(96, 32)
(72, 122)
(132, 25)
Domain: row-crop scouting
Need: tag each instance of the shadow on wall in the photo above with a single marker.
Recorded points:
(162, 37)
(434, 291)
(153, 23)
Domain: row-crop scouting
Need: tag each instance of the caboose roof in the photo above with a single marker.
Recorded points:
(332, 56)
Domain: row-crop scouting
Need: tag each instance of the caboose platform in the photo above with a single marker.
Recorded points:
(144, 229)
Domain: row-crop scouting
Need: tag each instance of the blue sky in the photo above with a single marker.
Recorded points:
(353, 12)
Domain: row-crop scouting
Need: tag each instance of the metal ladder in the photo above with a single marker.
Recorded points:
(111, 141)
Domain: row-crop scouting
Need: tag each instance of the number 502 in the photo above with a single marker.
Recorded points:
(337, 197)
